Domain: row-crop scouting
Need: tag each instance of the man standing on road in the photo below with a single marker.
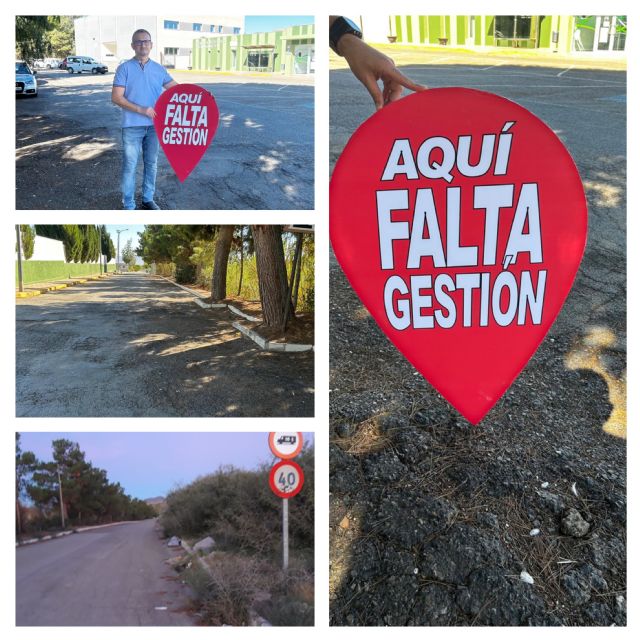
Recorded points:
(137, 85)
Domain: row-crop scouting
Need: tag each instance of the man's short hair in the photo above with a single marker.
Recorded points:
(133, 37)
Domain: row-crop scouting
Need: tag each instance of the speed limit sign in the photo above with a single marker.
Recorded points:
(286, 479)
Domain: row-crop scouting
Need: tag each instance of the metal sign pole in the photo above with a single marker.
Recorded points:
(19, 239)
(285, 534)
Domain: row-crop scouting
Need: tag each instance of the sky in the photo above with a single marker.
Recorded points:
(132, 232)
(151, 464)
(254, 24)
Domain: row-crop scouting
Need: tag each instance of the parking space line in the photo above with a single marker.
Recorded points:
(493, 66)
(565, 71)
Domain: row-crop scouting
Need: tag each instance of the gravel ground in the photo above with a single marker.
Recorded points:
(522, 519)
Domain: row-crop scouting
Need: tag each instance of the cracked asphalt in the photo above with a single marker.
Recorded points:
(68, 146)
(137, 345)
(430, 517)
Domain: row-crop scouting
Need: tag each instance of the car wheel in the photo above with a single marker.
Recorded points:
(70, 70)
(94, 71)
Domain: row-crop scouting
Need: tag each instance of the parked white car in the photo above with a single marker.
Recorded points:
(79, 64)
(26, 83)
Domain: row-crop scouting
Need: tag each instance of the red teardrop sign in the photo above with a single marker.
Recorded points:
(186, 121)
(460, 220)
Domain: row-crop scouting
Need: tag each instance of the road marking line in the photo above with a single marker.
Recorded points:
(565, 71)
(493, 66)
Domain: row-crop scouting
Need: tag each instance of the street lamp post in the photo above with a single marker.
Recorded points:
(119, 231)
(61, 501)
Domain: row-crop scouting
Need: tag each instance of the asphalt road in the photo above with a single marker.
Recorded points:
(137, 345)
(68, 146)
(113, 576)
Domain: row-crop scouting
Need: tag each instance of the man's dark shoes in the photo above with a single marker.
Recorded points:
(150, 205)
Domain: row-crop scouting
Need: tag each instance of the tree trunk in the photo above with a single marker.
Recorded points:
(272, 274)
(220, 260)
(241, 260)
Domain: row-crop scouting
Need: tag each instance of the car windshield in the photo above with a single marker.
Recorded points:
(22, 67)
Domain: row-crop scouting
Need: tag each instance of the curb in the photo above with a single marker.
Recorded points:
(62, 534)
(58, 287)
(282, 347)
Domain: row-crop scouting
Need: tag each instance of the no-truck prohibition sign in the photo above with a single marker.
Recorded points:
(285, 445)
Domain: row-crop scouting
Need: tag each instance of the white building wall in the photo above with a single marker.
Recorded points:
(375, 28)
(108, 38)
(51, 250)
(47, 249)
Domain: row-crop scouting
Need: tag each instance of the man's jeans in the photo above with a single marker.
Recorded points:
(133, 140)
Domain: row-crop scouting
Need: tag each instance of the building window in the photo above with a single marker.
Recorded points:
(219, 28)
(171, 51)
(258, 60)
(513, 27)
(197, 26)
(170, 24)
(212, 28)
(236, 30)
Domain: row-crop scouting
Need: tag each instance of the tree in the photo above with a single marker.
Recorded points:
(61, 38)
(220, 262)
(107, 248)
(25, 463)
(128, 254)
(272, 275)
(28, 240)
(32, 36)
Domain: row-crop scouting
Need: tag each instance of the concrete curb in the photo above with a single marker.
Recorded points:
(58, 287)
(242, 314)
(283, 347)
(62, 534)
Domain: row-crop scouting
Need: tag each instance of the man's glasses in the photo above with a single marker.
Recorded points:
(139, 43)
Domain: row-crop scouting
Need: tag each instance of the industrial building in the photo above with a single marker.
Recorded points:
(108, 38)
(286, 51)
(579, 35)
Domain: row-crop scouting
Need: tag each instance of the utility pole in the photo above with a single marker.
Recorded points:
(119, 231)
(20, 283)
(100, 259)
(61, 502)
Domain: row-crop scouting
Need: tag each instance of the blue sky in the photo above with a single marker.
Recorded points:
(151, 464)
(132, 232)
(253, 24)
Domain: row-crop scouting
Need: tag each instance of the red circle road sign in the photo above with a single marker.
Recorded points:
(286, 479)
(285, 445)
(460, 220)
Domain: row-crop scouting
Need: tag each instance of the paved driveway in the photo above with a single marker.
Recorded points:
(136, 345)
(112, 576)
(68, 143)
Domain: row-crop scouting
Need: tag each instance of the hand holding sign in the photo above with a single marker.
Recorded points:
(186, 121)
(460, 220)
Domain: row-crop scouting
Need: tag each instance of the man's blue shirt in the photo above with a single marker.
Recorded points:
(142, 86)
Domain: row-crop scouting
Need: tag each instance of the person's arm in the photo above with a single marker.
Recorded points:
(117, 97)
(171, 83)
(370, 65)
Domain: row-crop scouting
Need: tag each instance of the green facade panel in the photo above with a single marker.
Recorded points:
(266, 51)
